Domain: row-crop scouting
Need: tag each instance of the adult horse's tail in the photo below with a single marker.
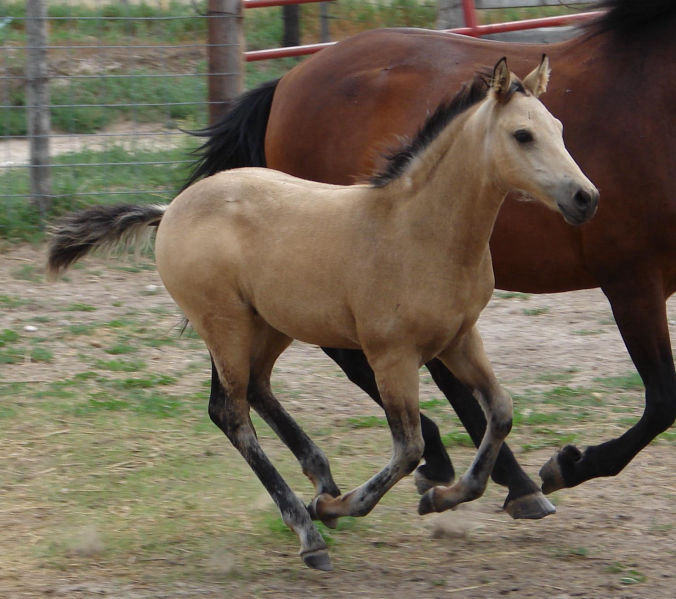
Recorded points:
(238, 139)
(80, 233)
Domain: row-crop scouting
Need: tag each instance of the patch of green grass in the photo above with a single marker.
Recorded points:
(457, 439)
(8, 302)
(558, 376)
(433, 403)
(120, 348)
(120, 365)
(366, 422)
(10, 355)
(628, 382)
(144, 383)
(81, 329)
(85, 182)
(512, 295)
(80, 307)
(40, 354)
(536, 311)
(27, 272)
(8, 336)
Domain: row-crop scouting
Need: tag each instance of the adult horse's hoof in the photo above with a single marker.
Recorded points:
(529, 507)
(424, 484)
(319, 560)
(552, 472)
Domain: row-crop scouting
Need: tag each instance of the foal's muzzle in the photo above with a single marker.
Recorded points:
(581, 207)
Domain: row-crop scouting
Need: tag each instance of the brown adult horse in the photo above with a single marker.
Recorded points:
(257, 258)
(331, 117)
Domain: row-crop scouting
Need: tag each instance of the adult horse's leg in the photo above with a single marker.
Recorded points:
(437, 469)
(524, 500)
(639, 308)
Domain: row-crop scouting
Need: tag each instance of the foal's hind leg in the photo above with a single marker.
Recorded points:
(469, 363)
(230, 412)
(269, 345)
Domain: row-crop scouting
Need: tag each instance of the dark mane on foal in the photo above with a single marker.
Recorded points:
(630, 16)
(398, 160)
(470, 94)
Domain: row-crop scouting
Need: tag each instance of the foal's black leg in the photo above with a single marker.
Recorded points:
(524, 499)
(437, 468)
(312, 459)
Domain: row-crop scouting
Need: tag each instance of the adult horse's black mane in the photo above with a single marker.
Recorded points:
(631, 16)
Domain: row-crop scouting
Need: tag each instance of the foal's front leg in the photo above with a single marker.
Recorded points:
(468, 361)
(397, 378)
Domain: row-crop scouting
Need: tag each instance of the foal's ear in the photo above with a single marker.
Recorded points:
(536, 81)
(501, 79)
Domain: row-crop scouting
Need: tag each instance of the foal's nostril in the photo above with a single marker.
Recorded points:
(583, 199)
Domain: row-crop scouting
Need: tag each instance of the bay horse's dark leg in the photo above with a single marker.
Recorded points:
(524, 499)
(639, 308)
(437, 469)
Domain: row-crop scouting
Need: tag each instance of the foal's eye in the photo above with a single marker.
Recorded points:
(523, 136)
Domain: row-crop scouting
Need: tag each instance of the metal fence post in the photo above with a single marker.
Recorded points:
(324, 17)
(226, 55)
(37, 104)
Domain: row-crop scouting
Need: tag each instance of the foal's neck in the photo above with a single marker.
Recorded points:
(448, 193)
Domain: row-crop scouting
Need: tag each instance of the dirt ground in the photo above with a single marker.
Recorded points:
(614, 537)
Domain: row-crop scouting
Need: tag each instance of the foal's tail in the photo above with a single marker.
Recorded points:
(80, 233)
(238, 139)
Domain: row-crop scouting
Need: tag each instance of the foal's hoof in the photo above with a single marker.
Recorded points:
(426, 503)
(552, 472)
(314, 511)
(424, 484)
(529, 507)
(319, 560)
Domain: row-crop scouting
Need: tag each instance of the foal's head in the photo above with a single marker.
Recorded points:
(526, 143)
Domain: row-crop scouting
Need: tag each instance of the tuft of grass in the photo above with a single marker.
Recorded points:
(367, 422)
(457, 439)
(536, 311)
(120, 365)
(512, 295)
(80, 307)
(628, 382)
(40, 354)
(8, 302)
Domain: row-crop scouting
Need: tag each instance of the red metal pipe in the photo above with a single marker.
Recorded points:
(469, 11)
(254, 55)
(267, 3)
(559, 21)
(476, 31)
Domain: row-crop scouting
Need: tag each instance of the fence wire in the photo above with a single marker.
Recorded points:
(124, 79)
